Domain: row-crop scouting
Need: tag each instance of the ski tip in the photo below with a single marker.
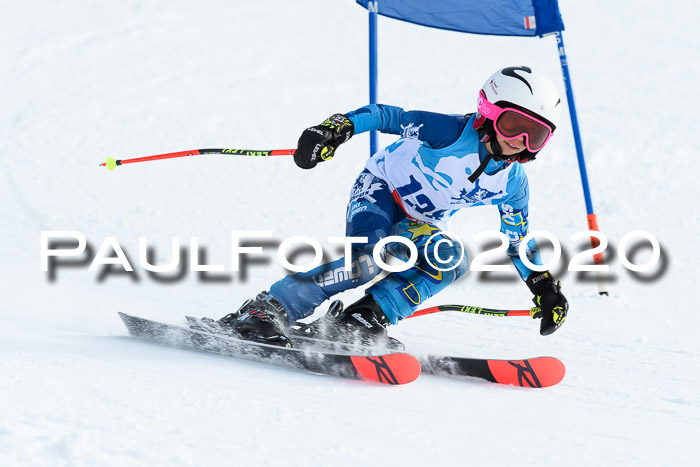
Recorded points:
(540, 372)
(126, 319)
(396, 368)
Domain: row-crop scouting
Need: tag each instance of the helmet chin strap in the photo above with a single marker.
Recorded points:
(479, 170)
(495, 153)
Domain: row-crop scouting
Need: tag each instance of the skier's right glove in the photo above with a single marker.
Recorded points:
(318, 143)
(551, 304)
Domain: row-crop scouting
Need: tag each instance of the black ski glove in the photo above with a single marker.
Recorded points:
(318, 143)
(550, 302)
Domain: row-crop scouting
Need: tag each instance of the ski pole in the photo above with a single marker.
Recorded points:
(474, 310)
(112, 163)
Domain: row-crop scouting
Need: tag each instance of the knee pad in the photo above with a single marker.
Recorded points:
(459, 260)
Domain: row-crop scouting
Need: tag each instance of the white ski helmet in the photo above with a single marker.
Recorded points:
(521, 89)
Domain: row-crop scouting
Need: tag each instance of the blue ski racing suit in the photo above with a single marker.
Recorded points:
(410, 189)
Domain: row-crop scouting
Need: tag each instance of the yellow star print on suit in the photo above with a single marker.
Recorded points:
(421, 229)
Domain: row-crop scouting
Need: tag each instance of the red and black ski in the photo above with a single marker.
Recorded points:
(389, 368)
(539, 372)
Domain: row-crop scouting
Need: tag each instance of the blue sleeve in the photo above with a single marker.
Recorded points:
(515, 225)
(438, 130)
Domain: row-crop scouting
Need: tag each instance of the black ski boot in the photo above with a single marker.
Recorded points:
(362, 323)
(262, 319)
(323, 327)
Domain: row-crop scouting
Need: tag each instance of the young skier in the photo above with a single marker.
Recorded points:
(439, 165)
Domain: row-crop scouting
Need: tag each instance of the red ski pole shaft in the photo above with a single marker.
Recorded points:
(112, 163)
(471, 309)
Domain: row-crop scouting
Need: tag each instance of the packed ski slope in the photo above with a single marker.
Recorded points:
(82, 81)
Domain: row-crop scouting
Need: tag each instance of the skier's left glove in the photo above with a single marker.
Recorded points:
(551, 304)
(318, 143)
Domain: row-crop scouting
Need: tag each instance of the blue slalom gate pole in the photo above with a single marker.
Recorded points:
(574, 123)
(592, 219)
(372, 8)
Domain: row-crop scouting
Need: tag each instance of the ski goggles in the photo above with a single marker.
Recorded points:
(511, 123)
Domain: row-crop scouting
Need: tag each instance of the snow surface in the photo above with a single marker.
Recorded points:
(82, 81)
